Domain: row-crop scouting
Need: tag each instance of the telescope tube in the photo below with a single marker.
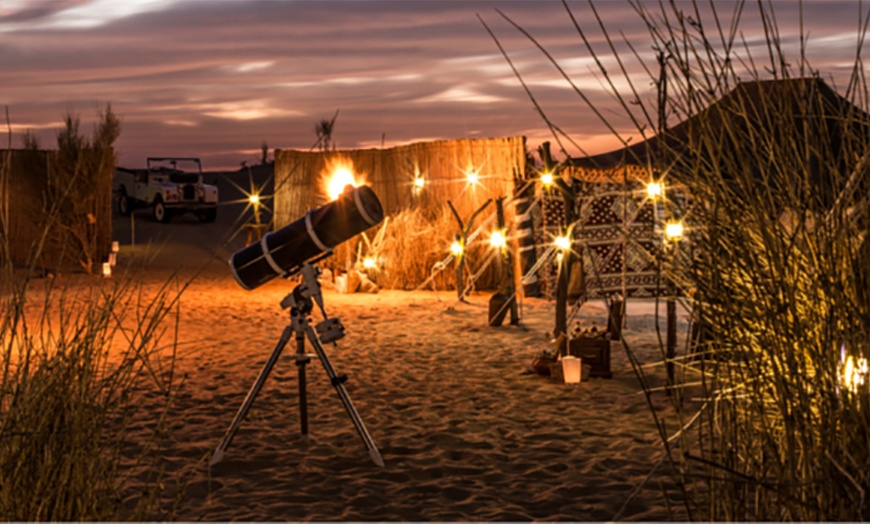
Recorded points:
(319, 231)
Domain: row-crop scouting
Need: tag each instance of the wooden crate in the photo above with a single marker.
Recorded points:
(594, 352)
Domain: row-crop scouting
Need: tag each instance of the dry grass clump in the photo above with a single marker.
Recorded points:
(782, 432)
(406, 257)
(772, 419)
(75, 366)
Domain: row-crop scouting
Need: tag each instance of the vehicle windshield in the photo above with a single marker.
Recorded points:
(184, 178)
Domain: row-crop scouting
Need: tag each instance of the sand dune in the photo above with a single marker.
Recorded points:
(466, 431)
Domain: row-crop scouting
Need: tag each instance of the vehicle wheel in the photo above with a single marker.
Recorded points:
(125, 207)
(207, 215)
(161, 214)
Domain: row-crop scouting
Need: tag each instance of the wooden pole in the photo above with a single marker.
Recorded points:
(507, 276)
(462, 238)
(569, 199)
(526, 242)
(671, 288)
(671, 342)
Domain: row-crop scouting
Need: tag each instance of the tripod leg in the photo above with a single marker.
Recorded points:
(302, 362)
(249, 400)
(338, 384)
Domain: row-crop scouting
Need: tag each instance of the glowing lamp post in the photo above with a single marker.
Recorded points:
(254, 201)
(673, 234)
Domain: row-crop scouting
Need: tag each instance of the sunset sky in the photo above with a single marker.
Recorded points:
(217, 78)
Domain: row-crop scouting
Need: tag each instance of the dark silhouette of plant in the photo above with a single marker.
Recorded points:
(82, 166)
(324, 129)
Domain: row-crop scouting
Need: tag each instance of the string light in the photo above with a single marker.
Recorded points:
(456, 248)
(254, 199)
(497, 239)
(547, 179)
(562, 242)
(419, 182)
(654, 190)
(674, 231)
(369, 263)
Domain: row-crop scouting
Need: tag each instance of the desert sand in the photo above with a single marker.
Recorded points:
(466, 431)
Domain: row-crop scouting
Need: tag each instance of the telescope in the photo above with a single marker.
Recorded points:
(283, 252)
(294, 249)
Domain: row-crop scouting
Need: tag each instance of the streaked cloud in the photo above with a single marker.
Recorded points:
(216, 78)
(72, 14)
(247, 110)
(462, 93)
(253, 66)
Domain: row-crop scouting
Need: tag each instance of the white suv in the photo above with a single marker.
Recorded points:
(167, 189)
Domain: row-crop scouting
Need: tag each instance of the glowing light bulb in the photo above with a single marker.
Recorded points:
(472, 177)
(854, 373)
(654, 190)
(547, 179)
(674, 231)
(497, 239)
(419, 182)
(369, 263)
(563, 243)
(254, 199)
(341, 178)
(456, 248)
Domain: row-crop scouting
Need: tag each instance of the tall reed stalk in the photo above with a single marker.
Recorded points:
(75, 365)
(772, 418)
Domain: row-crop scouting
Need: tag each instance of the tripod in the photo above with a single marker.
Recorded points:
(300, 304)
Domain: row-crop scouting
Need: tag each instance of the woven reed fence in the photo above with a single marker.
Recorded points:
(419, 226)
(73, 222)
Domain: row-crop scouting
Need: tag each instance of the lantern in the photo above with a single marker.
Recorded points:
(571, 369)
(854, 372)
(107, 270)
